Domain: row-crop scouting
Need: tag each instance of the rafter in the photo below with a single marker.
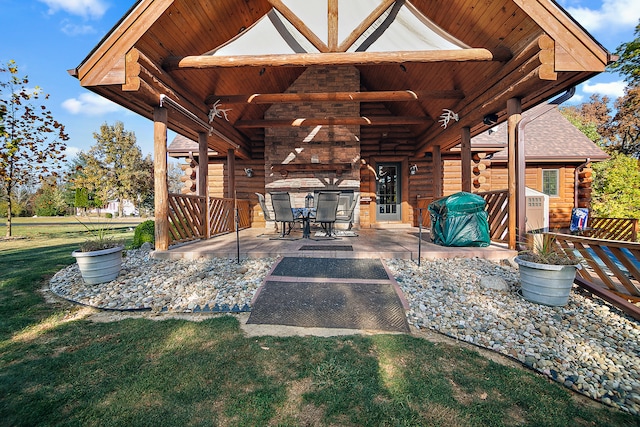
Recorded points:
(337, 121)
(364, 25)
(299, 25)
(378, 96)
(337, 58)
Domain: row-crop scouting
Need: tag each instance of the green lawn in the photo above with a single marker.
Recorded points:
(59, 368)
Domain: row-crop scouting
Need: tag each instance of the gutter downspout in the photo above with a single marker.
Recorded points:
(575, 181)
(521, 207)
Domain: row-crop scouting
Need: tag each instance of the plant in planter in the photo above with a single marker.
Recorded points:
(100, 256)
(546, 271)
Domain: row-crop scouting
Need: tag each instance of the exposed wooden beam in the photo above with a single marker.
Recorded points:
(335, 58)
(336, 121)
(379, 96)
(161, 187)
(364, 25)
(299, 25)
(514, 112)
(465, 158)
(332, 24)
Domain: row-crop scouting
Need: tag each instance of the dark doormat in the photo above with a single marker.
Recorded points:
(330, 305)
(327, 248)
(371, 269)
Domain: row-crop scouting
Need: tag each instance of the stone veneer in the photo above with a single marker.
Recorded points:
(322, 144)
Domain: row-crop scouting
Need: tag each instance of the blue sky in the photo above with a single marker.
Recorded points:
(48, 37)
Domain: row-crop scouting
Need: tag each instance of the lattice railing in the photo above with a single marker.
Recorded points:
(614, 228)
(187, 217)
(610, 268)
(497, 211)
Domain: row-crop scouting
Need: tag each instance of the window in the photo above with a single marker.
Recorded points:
(550, 181)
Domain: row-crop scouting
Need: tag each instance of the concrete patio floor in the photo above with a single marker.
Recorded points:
(399, 243)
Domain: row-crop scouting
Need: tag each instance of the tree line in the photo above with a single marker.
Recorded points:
(38, 178)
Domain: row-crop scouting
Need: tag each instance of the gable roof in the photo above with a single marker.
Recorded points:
(469, 56)
(549, 137)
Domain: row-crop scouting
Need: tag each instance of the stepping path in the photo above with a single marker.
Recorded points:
(330, 293)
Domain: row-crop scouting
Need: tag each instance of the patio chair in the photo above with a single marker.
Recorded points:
(281, 203)
(326, 210)
(266, 214)
(346, 208)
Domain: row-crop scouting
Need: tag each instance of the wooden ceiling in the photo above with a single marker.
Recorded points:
(528, 49)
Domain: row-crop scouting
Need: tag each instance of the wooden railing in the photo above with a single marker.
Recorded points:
(614, 228)
(611, 269)
(188, 217)
(497, 209)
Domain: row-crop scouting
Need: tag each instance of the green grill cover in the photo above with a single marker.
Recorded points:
(459, 220)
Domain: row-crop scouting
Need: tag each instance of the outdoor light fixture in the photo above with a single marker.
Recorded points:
(413, 169)
(249, 172)
(490, 119)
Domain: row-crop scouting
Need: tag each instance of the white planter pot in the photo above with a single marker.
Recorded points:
(544, 283)
(99, 266)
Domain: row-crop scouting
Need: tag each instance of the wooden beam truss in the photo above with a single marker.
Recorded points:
(378, 96)
(337, 121)
(336, 58)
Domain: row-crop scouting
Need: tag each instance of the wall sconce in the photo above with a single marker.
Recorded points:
(249, 172)
(490, 119)
(413, 169)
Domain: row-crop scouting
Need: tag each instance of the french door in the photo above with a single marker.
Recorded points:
(388, 192)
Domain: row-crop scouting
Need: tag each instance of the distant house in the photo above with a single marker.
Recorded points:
(128, 208)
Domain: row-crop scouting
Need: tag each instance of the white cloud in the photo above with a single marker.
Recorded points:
(576, 99)
(77, 30)
(72, 152)
(89, 104)
(86, 8)
(611, 89)
(613, 15)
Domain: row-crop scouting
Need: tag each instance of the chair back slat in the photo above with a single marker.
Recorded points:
(281, 203)
(327, 206)
(263, 206)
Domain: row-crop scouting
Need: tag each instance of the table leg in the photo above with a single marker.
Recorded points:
(306, 233)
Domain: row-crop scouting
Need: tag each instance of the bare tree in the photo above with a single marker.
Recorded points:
(32, 142)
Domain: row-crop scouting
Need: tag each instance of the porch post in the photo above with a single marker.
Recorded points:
(465, 158)
(203, 174)
(514, 113)
(437, 172)
(161, 187)
(231, 181)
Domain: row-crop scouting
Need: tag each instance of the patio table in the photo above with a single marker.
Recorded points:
(305, 214)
